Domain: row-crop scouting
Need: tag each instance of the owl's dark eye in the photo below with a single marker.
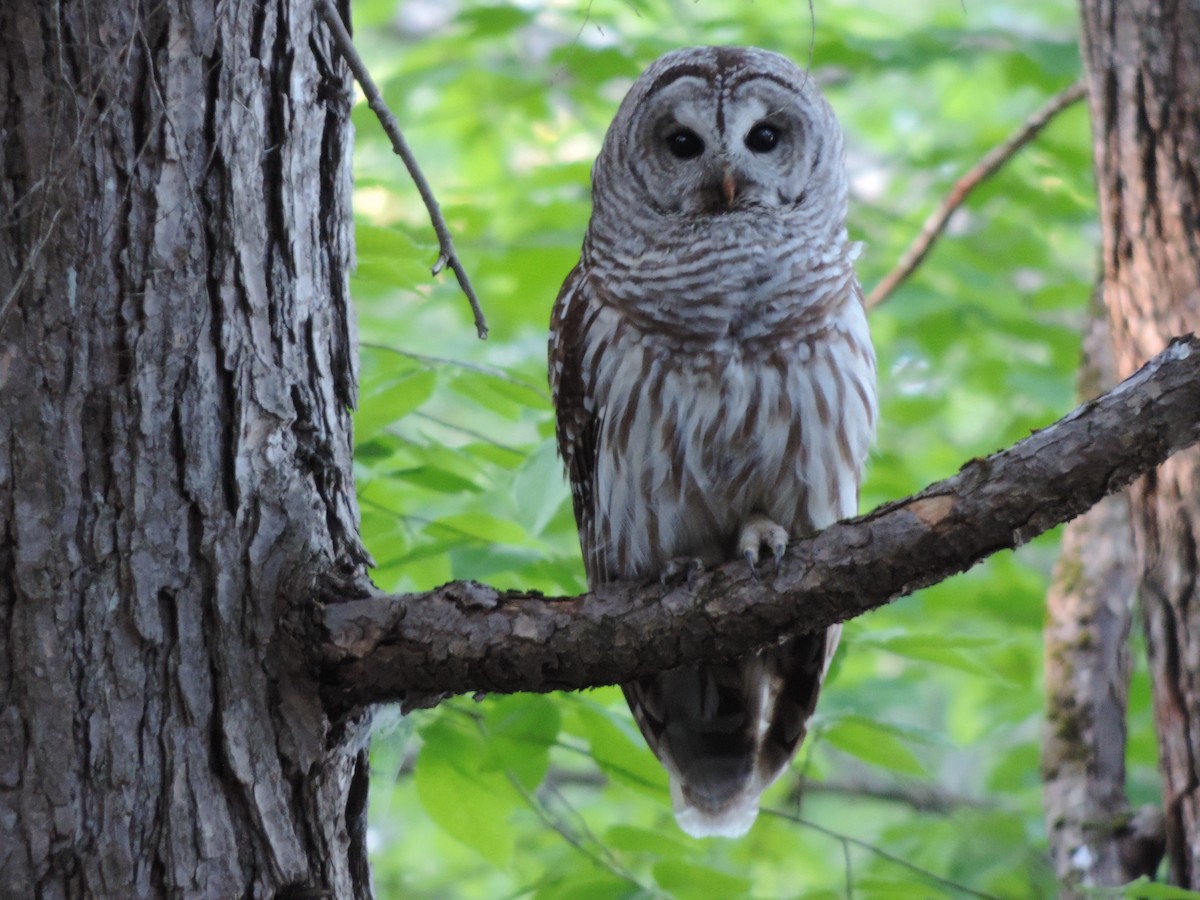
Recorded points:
(685, 144)
(762, 138)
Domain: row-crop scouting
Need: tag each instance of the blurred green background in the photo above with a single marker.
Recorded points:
(920, 776)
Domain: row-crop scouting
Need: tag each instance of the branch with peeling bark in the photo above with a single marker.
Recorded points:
(466, 637)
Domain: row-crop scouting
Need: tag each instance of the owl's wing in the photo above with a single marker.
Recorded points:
(577, 424)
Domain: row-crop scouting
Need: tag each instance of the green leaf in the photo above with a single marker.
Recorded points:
(697, 882)
(955, 652)
(492, 20)
(521, 729)
(390, 256)
(468, 801)
(894, 888)
(488, 528)
(433, 478)
(653, 842)
(371, 451)
(588, 884)
(620, 754)
(539, 488)
(872, 742)
(1145, 889)
(393, 401)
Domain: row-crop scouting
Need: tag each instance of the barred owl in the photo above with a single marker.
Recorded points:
(714, 384)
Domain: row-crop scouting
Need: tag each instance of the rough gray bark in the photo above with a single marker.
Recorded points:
(176, 369)
(1142, 59)
(467, 637)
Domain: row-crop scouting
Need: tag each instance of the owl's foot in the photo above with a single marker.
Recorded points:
(689, 566)
(758, 532)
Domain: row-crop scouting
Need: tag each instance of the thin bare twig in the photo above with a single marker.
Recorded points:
(880, 852)
(448, 256)
(926, 798)
(981, 171)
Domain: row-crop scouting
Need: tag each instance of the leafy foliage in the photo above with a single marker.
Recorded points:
(938, 696)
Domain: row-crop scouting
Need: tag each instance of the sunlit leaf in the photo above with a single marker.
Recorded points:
(469, 801)
(1145, 889)
(388, 404)
(435, 479)
(645, 840)
(539, 488)
(697, 882)
(620, 754)
(956, 652)
(588, 884)
(520, 731)
(391, 256)
(872, 742)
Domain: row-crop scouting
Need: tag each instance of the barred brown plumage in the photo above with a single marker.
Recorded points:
(714, 383)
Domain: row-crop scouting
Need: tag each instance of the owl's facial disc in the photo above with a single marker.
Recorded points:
(713, 153)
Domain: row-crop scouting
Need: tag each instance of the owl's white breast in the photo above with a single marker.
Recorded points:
(693, 442)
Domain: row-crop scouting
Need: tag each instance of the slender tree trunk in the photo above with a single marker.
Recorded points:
(1088, 617)
(1095, 840)
(176, 371)
(1143, 66)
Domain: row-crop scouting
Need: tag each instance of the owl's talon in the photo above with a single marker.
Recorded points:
(751, 558)
(757, 532)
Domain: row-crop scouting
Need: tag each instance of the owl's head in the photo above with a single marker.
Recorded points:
(712, 130)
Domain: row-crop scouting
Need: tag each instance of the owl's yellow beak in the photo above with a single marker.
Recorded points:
(729, 188)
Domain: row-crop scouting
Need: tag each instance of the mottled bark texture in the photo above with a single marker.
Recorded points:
(176, 370)
(467, 637)
(1143, 67)
(1089, 611)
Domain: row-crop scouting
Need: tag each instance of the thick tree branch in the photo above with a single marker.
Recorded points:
(465, 636)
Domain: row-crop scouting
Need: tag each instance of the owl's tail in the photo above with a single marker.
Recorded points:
(726, 730)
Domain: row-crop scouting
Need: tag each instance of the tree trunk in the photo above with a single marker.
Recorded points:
(1089, 612)
(176, 374)
(1143, 66)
